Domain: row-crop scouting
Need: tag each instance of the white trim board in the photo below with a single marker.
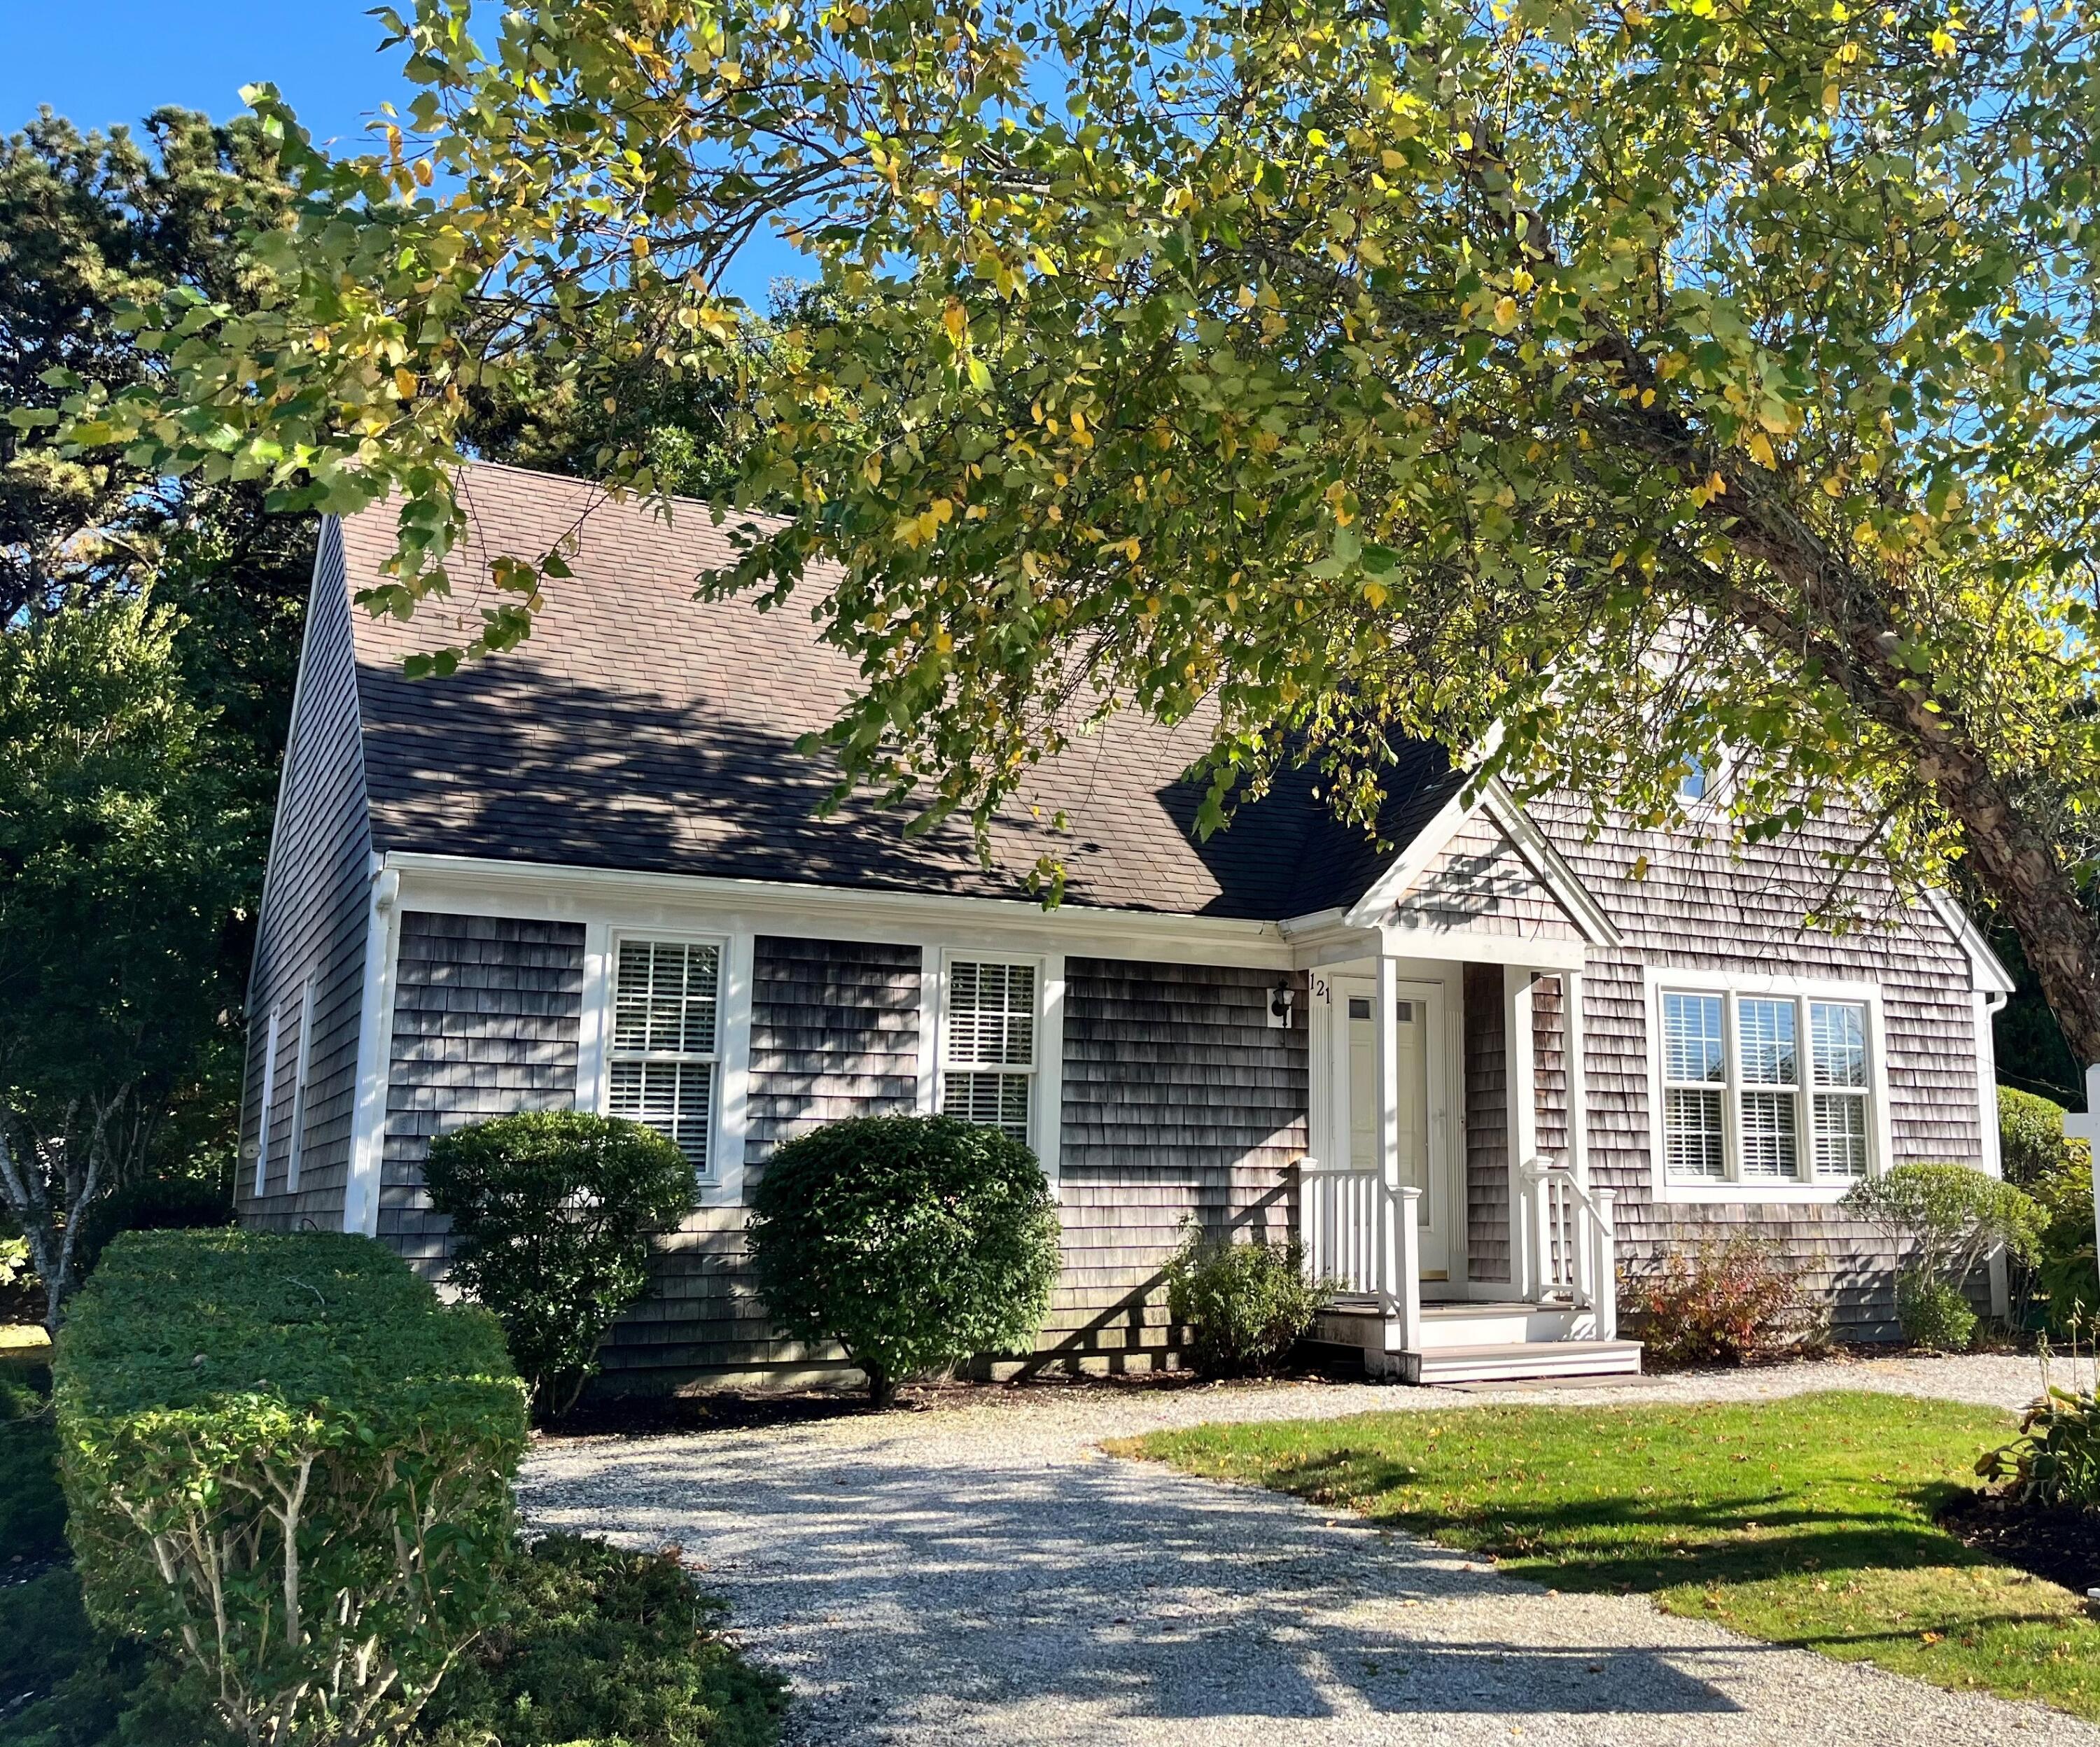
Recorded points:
(472, 886)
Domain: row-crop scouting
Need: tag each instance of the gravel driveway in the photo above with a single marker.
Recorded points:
(980, 1572)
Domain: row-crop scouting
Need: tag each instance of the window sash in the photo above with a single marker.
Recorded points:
(1762, 1089)
(989, 1025)
(663, 1068)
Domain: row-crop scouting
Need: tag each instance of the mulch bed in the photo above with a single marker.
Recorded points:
(2061, 1544)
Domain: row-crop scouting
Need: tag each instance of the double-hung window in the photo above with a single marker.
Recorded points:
(988, 1045)
(665, 1060)
(1764, 1089)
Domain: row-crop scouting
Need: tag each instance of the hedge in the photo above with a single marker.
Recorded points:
(287, 1462)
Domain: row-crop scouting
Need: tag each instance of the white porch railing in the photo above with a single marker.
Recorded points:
(1571, 1249)
(1363, 1237)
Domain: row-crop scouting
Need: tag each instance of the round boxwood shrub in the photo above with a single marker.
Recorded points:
(913, 1242)
(1933, 1314)
(552, 1214)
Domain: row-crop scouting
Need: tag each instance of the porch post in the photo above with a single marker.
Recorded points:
(1527, 1270)
(1388, 1071)
(1578, 1089)
(1409, 1295)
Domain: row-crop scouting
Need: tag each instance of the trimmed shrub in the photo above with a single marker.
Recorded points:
(290, 1466)
(554, 1213)
(1243, 1305)
(1949, 1217)
(913, 1242)
(1933, 1313)
(1732, 1302)
(2035, 1153)
(599, 1644)
(154, 1204)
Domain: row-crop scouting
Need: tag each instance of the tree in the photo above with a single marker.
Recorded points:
(123, 846)
(1624, 390)
(88, 221)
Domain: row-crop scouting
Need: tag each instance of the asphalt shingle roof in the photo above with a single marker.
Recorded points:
(640, 729)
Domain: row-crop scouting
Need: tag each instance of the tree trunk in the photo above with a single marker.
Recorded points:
(881, 1386)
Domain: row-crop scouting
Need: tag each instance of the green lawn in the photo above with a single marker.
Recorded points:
(1806, 1521)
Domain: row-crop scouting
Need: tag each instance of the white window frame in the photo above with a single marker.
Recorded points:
(1046, 1090)
(303, 1063)
(731, 1017)
(266, 1099)
(1733, 987)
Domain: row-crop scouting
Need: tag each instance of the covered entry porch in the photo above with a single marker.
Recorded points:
(1446, 1196)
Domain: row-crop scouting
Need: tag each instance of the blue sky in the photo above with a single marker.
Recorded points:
(104, 61)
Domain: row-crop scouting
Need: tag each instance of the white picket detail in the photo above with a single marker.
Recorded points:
(1362, 1235)
(1573, 1249)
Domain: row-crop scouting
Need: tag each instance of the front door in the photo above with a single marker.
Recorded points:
(1418, 1013)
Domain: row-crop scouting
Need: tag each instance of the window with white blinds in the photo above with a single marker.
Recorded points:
(988, 1045)
(665, 1061)
(1760, 1088)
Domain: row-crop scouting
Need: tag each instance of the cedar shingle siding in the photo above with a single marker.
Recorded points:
(486, 1017)
(1698, 908)
(1180, 1103)
(834, 1033)
(312, 925)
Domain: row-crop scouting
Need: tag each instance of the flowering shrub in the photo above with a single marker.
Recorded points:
(1723, 1304)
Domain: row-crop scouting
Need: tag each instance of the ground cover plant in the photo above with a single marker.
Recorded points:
(915, 1242)
(1810, 1521)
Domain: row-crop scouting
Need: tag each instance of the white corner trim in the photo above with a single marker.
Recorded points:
(1520, 1070)
(1881, 1148)
(933, 1002)
(733, 1109)
(1986, 968)
(375, 1048)
(1989, 1003)
(302, 1061)
(268, 1101)
(1050, 1069)
(593, 1027)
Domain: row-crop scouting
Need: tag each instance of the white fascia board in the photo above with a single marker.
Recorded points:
(1551, 866)
(1538, 852)
(547, 891)
(1477, 946)
(1986, 967)
(1394, 883)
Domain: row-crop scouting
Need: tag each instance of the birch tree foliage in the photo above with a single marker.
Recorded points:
(1652, 385)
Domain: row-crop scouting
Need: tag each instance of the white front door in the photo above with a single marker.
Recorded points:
(1356, 1059)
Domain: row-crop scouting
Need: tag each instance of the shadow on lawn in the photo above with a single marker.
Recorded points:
(1624, 1542)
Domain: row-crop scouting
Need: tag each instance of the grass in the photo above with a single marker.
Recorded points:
(1808, 1521)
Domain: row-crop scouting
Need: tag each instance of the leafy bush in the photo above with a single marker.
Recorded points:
(552, 1214)
(2057, 1171)
(1244, 1305)
(2056, 1458)
(603, 1645)
(1933, 1313)
(2037, 1155)
(913, 1242)
(1731, 1303)
(1950, 1217)
(154, 1204)
(287, 1464)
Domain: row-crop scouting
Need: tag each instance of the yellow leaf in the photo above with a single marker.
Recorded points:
(1505, 312)
(1761, 449)
(404, 384)
(953, 319)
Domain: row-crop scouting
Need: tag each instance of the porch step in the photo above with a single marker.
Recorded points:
(1507, 1361)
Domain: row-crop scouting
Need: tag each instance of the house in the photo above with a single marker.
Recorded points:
(1479, 1075)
